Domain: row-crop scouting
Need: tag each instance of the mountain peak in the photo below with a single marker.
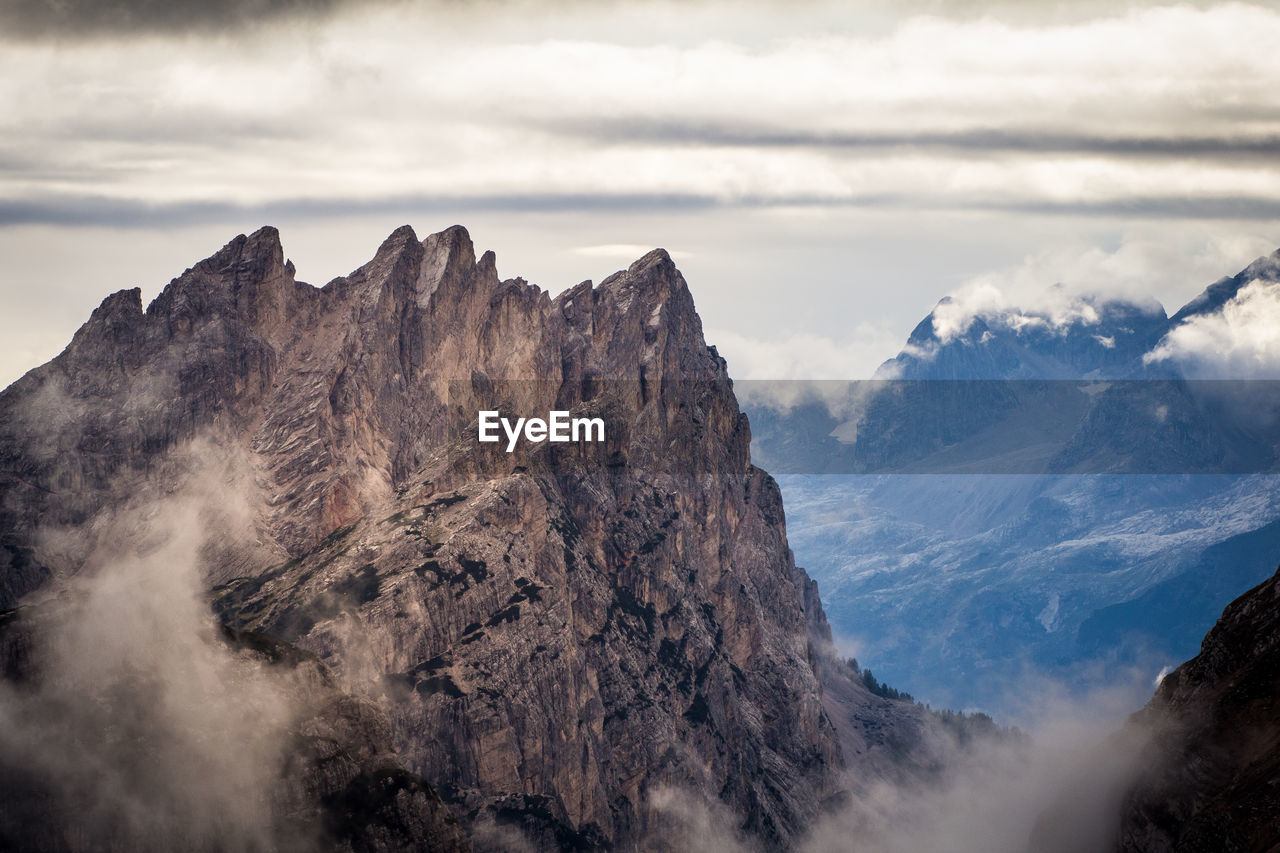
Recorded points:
(113, 323)
(1266, 266)
(121, 305)
(266, 236)
(654, 277)
(1077, 336)
(1222, 291)
(262, 248)
(638, 582)
(654, 258)
(397, 239)
(455, 238)
(659, 313)
(450, 258)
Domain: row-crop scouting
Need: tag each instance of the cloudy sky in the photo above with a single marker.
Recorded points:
(823, 172)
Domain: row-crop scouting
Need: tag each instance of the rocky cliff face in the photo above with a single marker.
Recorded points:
(557, 635)
(1213, 766)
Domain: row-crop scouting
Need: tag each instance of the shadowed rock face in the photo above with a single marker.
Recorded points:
(1213, 767)
(557, 634)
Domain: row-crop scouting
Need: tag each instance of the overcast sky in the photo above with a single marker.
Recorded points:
(823, 173)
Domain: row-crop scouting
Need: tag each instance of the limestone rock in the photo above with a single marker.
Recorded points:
(555, 635)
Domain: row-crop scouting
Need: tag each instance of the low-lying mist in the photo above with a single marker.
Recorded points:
(1057, 786)
(127, 723)
(132, 725)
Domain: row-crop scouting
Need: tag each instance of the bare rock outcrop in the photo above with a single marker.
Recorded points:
(557, 635)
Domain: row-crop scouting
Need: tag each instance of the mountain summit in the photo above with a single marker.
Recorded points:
(1094, 339)
(561, 637)
(1079, 337)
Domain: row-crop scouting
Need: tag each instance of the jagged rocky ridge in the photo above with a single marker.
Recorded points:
(557, 635)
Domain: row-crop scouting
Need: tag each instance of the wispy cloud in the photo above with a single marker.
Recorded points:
(73, 209)
(1063, 285)
(804, 355)
(1149, 112)
(1241, 340)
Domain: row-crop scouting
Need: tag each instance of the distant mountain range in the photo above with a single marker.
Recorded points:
(1080, 337)
(1096, 340)
(1065, 492)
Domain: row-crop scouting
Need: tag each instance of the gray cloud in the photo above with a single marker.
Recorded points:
(79, 19)
(982, 141)
(83, 18)
(116, 212)
(153, 129)
(1154, 207)
(426, 105)
(125, 213)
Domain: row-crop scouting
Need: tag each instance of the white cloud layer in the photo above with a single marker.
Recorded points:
(1242, 341)
(804, 355)
(420, 99)
(1063, 285)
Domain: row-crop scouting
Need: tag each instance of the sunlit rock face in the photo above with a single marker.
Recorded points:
(560, 636)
